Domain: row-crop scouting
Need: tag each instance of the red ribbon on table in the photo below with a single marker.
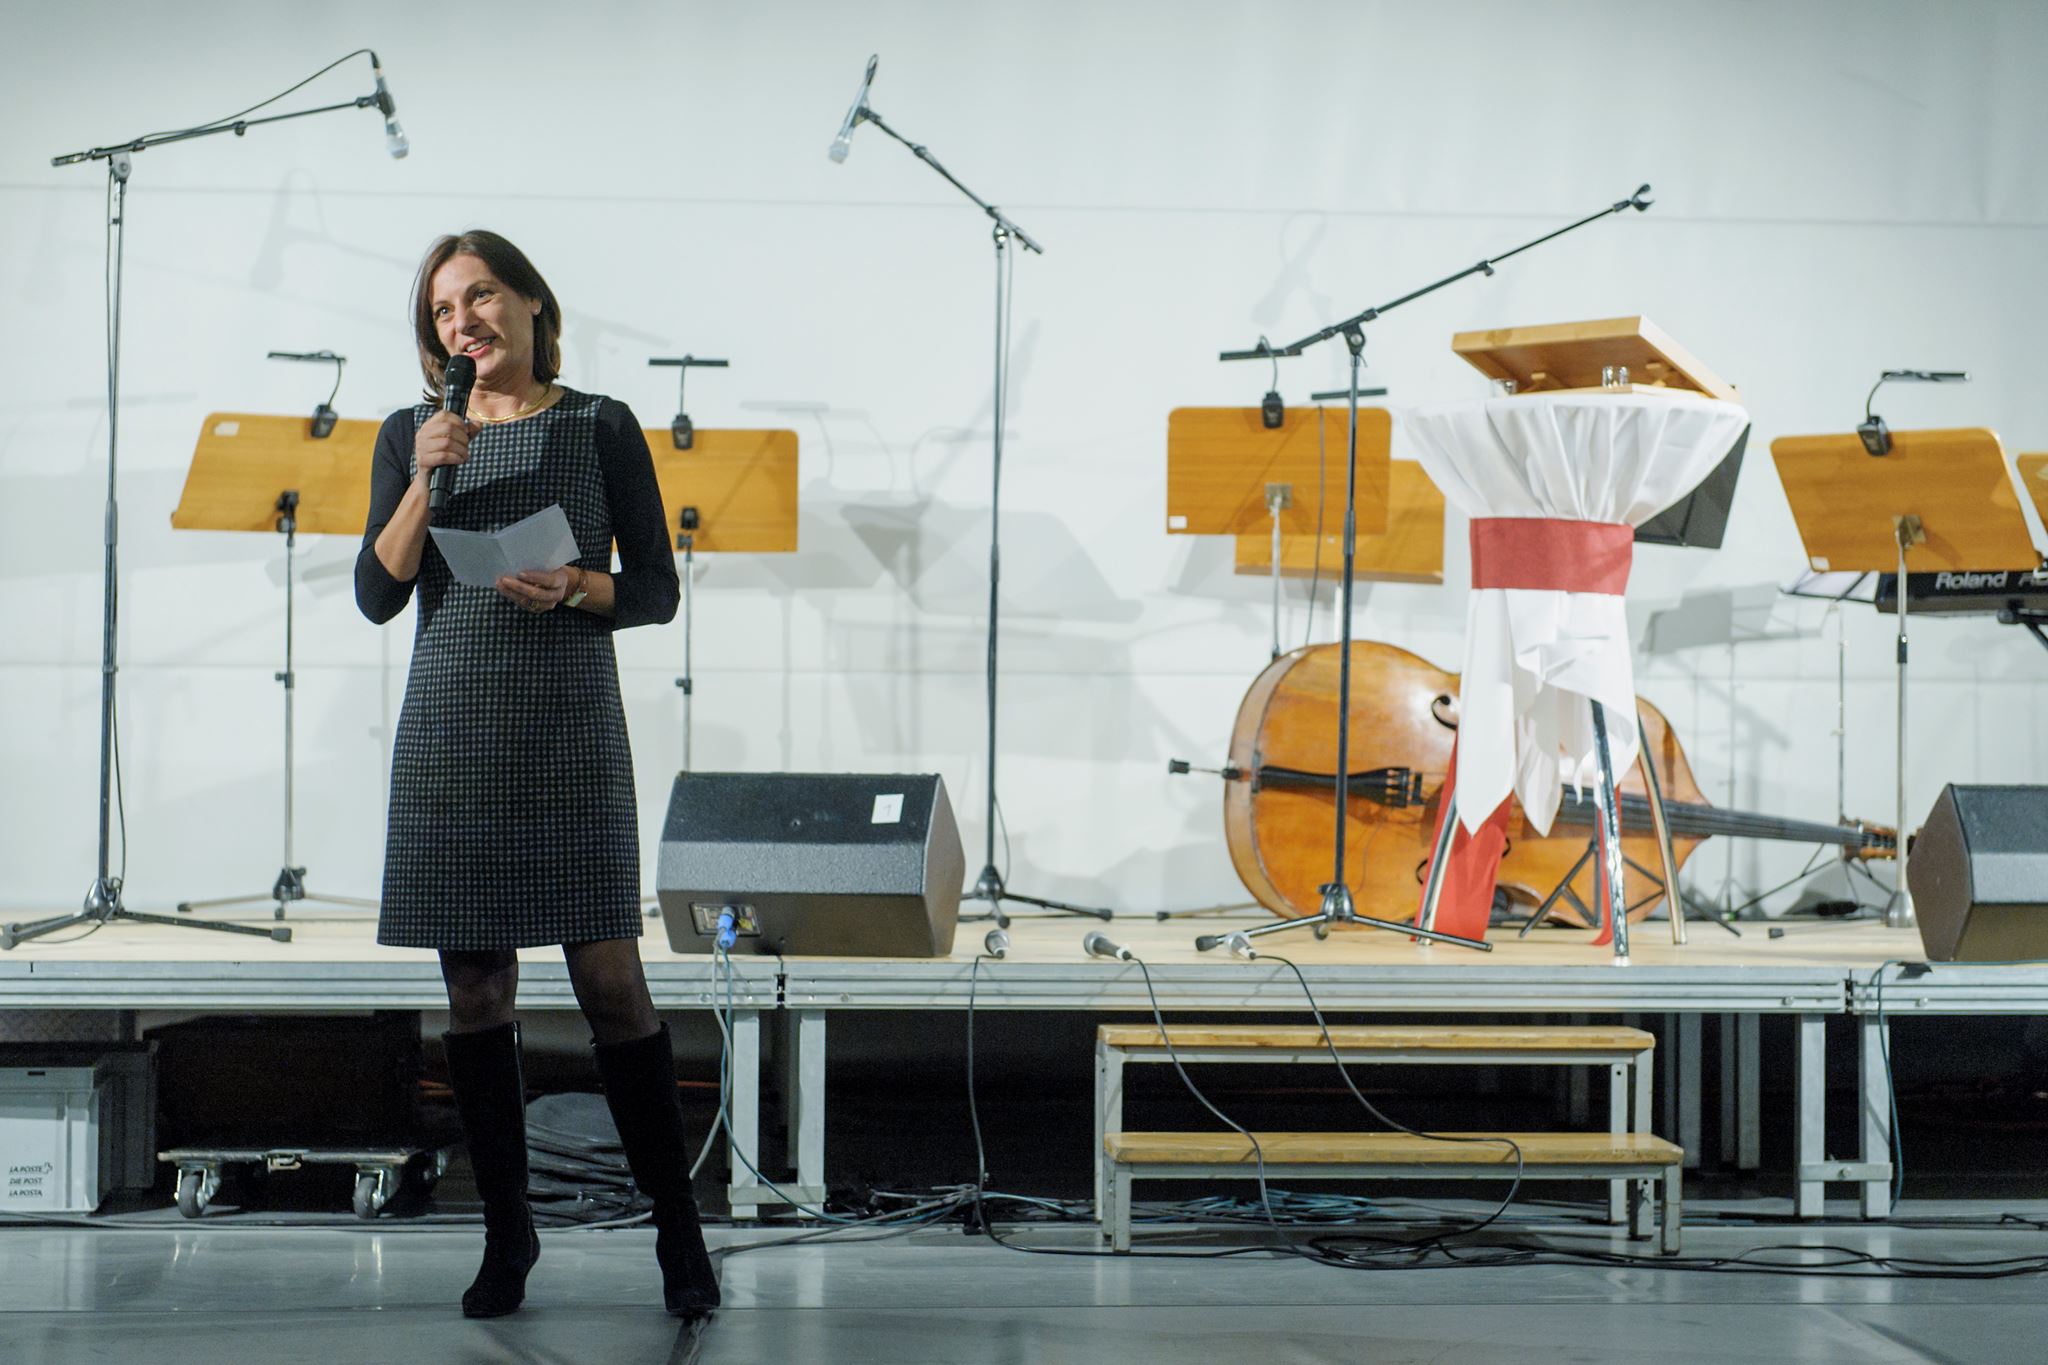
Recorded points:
(1552, 553)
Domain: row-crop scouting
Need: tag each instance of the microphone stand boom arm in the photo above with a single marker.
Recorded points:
(1639, 201)
(918, 149)
(238, 127)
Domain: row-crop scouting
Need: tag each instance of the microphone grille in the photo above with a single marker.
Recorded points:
(458, 376)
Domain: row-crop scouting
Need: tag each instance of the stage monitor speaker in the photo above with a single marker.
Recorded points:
(812, 864)
(1979, 874)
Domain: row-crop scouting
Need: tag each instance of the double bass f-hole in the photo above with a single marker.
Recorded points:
(1443, 709)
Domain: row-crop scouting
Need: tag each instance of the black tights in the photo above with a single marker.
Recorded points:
(606, 975)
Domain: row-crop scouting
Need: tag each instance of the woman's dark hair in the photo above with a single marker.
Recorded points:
(515, 272)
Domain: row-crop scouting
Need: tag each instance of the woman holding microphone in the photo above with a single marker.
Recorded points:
(512, 820)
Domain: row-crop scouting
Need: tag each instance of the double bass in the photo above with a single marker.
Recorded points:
(1280, 791)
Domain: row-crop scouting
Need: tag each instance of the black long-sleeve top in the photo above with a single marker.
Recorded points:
(646, 589)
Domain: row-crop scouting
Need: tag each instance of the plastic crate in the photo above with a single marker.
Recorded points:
(55, 1154)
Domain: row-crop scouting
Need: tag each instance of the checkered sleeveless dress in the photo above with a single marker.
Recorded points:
(512, 819)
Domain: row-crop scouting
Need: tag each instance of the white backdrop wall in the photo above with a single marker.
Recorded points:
(1840, 187)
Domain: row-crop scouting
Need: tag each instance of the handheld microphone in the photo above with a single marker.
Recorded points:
(1240, 945)
(1099, 944)
(457, 377)
(997, 944)
(394, 136)
(854, 115)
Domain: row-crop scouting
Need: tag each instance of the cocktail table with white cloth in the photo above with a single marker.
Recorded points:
(1555, 484)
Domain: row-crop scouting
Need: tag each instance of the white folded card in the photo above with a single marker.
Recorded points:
(540, 542)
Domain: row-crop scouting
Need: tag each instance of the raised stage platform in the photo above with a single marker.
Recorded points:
(1809, 972)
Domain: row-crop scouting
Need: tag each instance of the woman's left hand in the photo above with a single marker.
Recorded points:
(536, 590)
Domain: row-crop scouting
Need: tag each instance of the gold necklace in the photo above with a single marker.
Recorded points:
(546, 395)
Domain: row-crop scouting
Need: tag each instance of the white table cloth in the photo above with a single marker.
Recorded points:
(1536, 657)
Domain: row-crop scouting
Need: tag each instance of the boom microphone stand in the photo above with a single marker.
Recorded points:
(989, 886)
(103, 900)
(1337, 905)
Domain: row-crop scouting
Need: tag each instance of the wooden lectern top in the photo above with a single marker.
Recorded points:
(1411, 551)
(742, 483)
(244, 460)
(1571, 355)
(1220, 460)
(1956, 482)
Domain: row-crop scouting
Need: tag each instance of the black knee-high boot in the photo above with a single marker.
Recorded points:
(490, 1095)
(640, 1085)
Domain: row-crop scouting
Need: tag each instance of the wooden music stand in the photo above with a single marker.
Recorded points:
(244, 460)
(259, 472)
(1227, 472)
(1411, 551)
(1949, 498)
(732, 491)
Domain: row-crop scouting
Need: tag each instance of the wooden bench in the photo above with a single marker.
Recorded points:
(1626, 1052)
(1395, 1156)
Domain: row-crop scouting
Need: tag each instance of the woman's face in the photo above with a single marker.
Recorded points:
(476, 315)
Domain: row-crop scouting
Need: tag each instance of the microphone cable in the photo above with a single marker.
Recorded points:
(981, 1194)
(916, 1216)
(226, 120)
(1434, 1242)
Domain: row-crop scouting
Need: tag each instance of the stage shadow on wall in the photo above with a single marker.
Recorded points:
(298, 218)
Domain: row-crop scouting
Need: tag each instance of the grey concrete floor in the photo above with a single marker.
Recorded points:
(168, 1293)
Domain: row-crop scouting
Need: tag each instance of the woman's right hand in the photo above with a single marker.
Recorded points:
(442, 439)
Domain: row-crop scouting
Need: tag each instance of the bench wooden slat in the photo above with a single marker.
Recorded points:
(1538, 1149)
(1390, 1037)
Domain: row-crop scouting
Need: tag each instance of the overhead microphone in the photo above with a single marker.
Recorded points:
(856, 113)
(394, 136)
(457, 378)
(997, 944)
(1099, 944)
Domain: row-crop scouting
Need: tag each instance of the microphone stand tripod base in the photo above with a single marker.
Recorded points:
(989, 889)
(290, 887)
(1338, 908)
(103, 906)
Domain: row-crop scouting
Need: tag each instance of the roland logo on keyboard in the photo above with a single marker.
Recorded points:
(1953, 582)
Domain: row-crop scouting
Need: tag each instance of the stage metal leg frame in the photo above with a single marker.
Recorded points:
(1874, 1117)
(813, 987)
(804, 1101)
